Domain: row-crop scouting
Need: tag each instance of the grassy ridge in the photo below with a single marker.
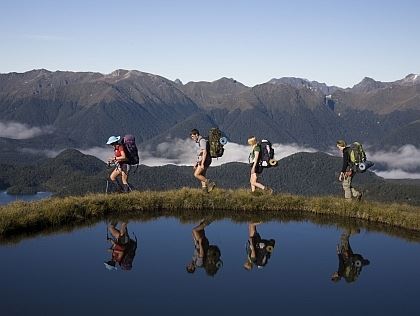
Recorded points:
(57, 212)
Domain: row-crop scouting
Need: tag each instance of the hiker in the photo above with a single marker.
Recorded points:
(121, 167)
(205, 255)
(123, 248)
(349, 264)
(347, 173)
(258, 250)
(256, 167)
(203, 161)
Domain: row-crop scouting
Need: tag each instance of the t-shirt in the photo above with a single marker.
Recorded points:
(256, 149)
(202, 145)
(118, 150)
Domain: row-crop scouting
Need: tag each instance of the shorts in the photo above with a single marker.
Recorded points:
(258, 168)
(123, 167)
(207, 163)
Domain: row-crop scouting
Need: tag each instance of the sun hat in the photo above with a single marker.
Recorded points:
(113, 139)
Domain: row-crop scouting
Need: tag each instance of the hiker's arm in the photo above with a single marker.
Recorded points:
(257, 154)
(345, 161)
(204, 151)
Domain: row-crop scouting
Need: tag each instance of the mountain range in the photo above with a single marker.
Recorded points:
(82, 109)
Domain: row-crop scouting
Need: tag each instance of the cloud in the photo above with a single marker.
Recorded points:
(405, 158)
(397, 174)
(183, 152)
(15, 130)
(45, 152)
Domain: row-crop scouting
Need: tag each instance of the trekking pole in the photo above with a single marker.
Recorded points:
(106, 226)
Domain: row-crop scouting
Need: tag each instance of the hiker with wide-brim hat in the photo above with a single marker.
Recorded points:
(121, 167)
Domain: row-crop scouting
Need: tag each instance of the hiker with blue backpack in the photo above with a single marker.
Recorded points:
(256, 165)
(125, 155)
(347, 173)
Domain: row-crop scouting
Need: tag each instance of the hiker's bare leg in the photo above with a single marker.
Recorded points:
(199, 173)
(252, 228)
(114, 231)
(254, 183)
(115, 174)
(124, 177)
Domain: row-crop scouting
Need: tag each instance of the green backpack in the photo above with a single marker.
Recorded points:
(357, 153)
(216, 143)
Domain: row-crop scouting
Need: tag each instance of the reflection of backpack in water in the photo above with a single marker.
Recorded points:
(353, 267)
(266, 157)
(216, 143)
(263, 250)
(212, 261)
(130, 149)
(129, 254)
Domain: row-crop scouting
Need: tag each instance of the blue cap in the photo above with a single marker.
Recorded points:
(113, 139)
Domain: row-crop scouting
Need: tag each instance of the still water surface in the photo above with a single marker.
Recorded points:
(65, 274)
(8, 198)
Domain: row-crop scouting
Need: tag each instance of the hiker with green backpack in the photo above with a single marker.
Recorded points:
(203, 161)
(348, 171)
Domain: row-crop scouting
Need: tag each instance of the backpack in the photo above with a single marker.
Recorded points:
(216, 143)
(130, 149)
(266, 153)
(129, 254)
(357, 153)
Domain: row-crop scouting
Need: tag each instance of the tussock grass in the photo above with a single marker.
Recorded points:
(55, 213)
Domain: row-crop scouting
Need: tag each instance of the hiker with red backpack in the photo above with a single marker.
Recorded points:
(256, 166)
(122, 168)
(123, 248)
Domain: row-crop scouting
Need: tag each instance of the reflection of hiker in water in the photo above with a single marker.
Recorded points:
(349, 264)
(205, 255)
(258, 250)
(123, 248)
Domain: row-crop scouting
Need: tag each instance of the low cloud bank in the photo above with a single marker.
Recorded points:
(401, 163)
(183, 152)
(15, 130)
(404, 158)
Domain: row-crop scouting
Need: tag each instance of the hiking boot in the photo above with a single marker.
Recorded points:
(205, 222)
(211, 186)
(205, 189)
(268, 190)
(359, 197)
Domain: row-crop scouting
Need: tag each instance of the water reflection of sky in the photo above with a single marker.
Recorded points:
(64, 273)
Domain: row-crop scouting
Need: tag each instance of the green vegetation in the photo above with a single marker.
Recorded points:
(56, 213)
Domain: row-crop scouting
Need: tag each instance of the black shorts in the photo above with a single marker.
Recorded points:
(258, 168)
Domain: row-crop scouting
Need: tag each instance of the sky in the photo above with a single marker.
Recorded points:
(336, 42)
